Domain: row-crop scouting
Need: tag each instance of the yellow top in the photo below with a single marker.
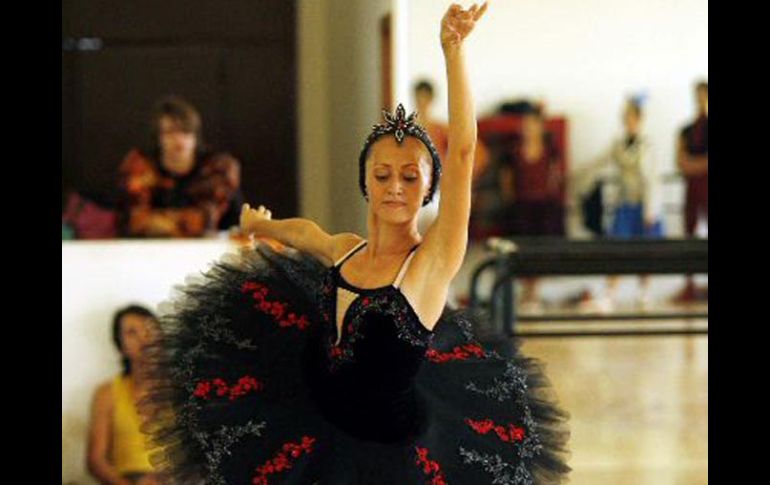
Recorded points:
(129, 453)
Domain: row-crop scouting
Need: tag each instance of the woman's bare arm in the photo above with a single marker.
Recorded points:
(100, 439)
(299, 233)
(447, 238)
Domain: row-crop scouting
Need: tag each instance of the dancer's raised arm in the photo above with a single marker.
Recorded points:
(449, 232)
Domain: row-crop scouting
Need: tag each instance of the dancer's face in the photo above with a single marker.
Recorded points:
(135, 333)
(177, 145)
(400, 173)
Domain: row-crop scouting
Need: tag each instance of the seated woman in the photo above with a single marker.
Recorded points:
(117, 454)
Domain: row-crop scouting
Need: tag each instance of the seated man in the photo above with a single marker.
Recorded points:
(178, 188)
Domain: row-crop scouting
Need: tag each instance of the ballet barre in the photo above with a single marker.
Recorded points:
(522, 257)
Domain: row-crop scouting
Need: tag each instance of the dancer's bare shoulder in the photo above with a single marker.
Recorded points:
(344, 242)
(327, 248)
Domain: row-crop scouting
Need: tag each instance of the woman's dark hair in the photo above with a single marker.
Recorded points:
(116, 322)
(702, 85)
(424, 85)
(533, 110)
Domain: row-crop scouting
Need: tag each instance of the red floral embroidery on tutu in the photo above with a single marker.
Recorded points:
(430, 467)
(219, 387)
(276, 309)
(282, 461)
(458, 353)
(510, 434)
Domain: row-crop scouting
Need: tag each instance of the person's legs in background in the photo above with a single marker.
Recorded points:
(703, 293)
(529, 220)
(696, 205)
(627, 223)
(537, 219)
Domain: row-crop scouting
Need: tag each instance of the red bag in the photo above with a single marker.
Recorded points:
(90, 220)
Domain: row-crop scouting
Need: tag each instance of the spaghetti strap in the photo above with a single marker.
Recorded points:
(349, 253)
(404, 266)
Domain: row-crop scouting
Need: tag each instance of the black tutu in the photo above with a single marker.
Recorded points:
(249, 386)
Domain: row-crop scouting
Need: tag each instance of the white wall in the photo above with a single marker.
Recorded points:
(339, 92)
(582, 58)
(312, 112)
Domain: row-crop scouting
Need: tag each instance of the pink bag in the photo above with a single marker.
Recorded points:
(89, 220)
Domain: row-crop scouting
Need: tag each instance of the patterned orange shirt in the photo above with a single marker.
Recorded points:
(156, 203)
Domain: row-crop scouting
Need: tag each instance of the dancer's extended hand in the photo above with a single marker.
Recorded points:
(458, 23)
